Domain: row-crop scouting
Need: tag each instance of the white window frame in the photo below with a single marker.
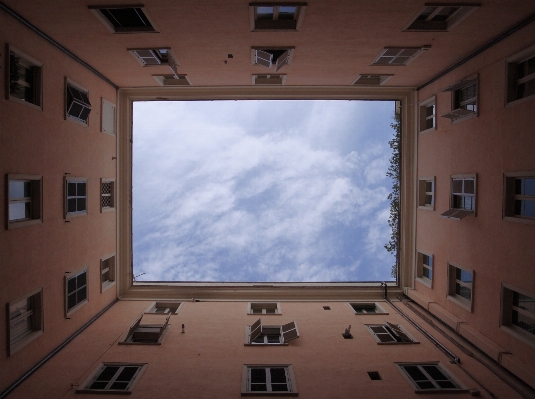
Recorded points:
(96, 11)
(35, 199)
(110, 268)
(168, 305)
(452, 283)
(170, 58)
(154, 332)
(107, 117)
(258, 53)
(111, 195)
(511, 78)
(68, 277)
(506, 314)
(458, 113)
(28, 62)
(509, 197)
(269, 80)
(76, 86)
(395, 53)
(290, 380)
(371, 79)
(66, 181)
(287, 332)
(264, 306)
(96, 373)
(423, 193)
(36, 315)
(379, 310)
(442, 26)
(421, 266)
(275, 24)
(460, 213)
(394, 331)
(459, 386)
(423, 117)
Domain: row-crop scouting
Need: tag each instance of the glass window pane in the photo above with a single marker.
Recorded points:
(19, 210)
(415, 373)
(524, 322)
(71, 189)
(425, 385)
(258, 387)
(264, 13)
(463, 275)
(434, 372)
(278, 375)
(524, 302)
(80, 204)
(108, 373)
(81, 295)
(127, 374)
(469, 186)
(19, 189)
(258, 376)
(71, 301)
(80, 189)
(457, 186)
(463, 291)
(119, 386)
(287, 13)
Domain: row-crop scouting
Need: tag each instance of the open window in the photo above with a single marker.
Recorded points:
(367, 308)
(77, 105)
(519, 197)
(148, 329)
(268, 80)
(25, 78)
(24, 200)
(389, 333)
(272, 56)
(172, 80)
(424, 268)
(107, 272)
(521, 76)
(164, 307)
(426, 193)
(258, 334)
(427, 113)
(518, 313)
(124, 18)
(25, 320)
(264, 308)
(463, 100)
(461, 286)
(440, 17)
(276, 16)
(463, 197)
(371, 80)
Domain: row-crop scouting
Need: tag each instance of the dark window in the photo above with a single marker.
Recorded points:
(428, 377)
(76, 290)
(114, 378)
(124, 19)
(278, 17)
(78, 105)
(76, 197)
(24, 79)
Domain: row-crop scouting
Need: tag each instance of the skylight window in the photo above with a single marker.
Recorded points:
(123, 19)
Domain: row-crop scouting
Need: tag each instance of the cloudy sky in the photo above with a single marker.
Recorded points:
(261, 190)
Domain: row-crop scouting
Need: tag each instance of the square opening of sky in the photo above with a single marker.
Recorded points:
(262, 190)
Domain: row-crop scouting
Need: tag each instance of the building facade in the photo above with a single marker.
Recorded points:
(459, 319)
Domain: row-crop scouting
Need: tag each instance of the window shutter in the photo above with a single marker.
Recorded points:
(448, 213)
(263, 58)
(399, 332)
(256, 330)
(282, 60)
(289, 332)
(172, 64)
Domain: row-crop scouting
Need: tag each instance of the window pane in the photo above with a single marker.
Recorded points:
(126, 17)
(425, 385)
(98, 385)
(447, 384)
(426, 14)
(469, 186)
(524, 302)
(19, 189)
(273, 339)
(415, 373)
(427, 273)
(108, 373)
(278, 375)
(264, 13)
(81, 295)
(119, 386)
(258, 387)
(71, 189)
(430, 110)
(524, 322)
(80, 189)
(71, 301)
(457, 186)
(463, 291)
(71, 285)
(287, 13)
(270, 311)
(19, 210)
(81, 279)
(258, 376)
(80, 204)
(434, 372)
(445, 13)
(463, 276)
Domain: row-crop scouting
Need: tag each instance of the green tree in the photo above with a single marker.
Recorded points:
(394, 172)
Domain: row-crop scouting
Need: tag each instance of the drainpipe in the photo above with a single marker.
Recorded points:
(449, 353)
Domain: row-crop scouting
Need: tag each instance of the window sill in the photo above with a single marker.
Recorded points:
(26, 103)
(426, 208)
(74, 309)
(432, 129)
(521, 220)
(425, 281)
(519, 334)
(23, 223)
(464, 118)
(519, 101)
(106, 286)
(77, 121)
(107, 209)
(75, 215)
(467, 305)
(23, 342)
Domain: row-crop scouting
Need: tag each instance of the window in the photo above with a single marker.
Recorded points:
(267, 57)
(463, 100)
(264, 308)
(390, 334)
(424, 268)
(369, 308)
(521, 75)
(25, 320)
(114, 377)
(518, 313)
(155, 57)
(274, 379)
(148, 329)
(172, 80)
(371, 80)
(258, 334)
(124, 19)
(269, 79)
(75, 291)
(428, 377)
(25, 78)
(397, 56)
(25, 200)
(427, 115)
(107, 195)
(437, 17)
(77, 105)
(426, 193)
(270, 16)
(463, 197)
(75, 196)
(107, 272)
(460, 289)
(165, 307)
(107, 122)
(519, 201)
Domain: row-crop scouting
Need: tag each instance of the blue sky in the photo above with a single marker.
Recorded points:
(261, 190)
